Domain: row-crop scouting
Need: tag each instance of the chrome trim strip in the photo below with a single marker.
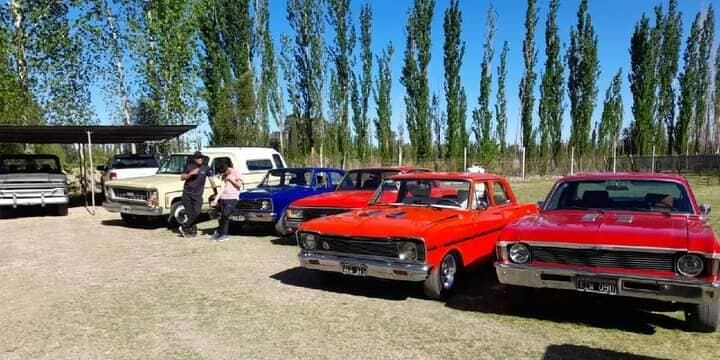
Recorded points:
(609, 247)
(383, 269)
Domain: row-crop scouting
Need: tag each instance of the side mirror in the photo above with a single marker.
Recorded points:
(541, 204)
(101, 168)
(705, 209)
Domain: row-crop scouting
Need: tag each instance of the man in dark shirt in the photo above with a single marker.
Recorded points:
(195, 174)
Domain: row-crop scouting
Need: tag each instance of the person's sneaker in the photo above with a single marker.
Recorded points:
(222, 238)
(214, 236)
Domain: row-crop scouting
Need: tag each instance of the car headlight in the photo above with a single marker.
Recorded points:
(407, 251)
(309, 241)
(294, 213)
(690, 265)
(519, 253)
(265, 205)
(153, 198)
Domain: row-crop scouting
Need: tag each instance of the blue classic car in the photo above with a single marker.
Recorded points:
(278, 189)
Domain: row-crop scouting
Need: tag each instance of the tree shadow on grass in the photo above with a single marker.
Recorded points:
(481, 292)
(568, 351)
(366, 287)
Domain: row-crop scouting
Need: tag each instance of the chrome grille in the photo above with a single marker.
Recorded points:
(248, 205)
(604, 258)
(314, 213)
(130, 194)
(364, 247)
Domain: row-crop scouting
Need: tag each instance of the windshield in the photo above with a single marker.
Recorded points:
(281, 177)
(29, 164)
(364, 179)
(631, 195)
(133, 162)
(434, 192)
(175, 164)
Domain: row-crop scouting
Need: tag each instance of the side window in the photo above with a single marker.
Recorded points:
(335, 178)
(481, 197)
(259, 165)
(321, 179)
(220, 161)
(500, 196)
(278, 161)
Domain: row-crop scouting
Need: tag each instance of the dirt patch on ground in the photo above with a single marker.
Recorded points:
(90, 287)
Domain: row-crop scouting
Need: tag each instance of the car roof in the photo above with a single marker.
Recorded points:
(246, 151)
(450, 175)
(403, 169)
(310, 168)
(625, 176)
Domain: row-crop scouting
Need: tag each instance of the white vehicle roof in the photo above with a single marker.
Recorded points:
(246, 152)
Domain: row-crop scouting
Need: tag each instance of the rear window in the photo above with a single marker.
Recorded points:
(364, 179)
(132, 162)
(29, 164)
(259, 165)
(278, 161)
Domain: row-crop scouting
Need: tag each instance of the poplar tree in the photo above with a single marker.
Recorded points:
(667, 72)
(688, 88)
(383, 101)
(482, 116)
(527, 83)
(642, 78)
(707, 34)
(340, 19)
(717, 99)
(551, 89)
(362, 126)
(501, 102)
(454, 50)
(269, 103)
(612, 114)
(584, 70)
(415, 77)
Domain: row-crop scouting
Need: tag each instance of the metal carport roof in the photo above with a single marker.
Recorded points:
(100, 134)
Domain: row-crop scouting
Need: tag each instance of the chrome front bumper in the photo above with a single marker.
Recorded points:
(292, 225)
(133, 209)
(685, 291)
(33, 201)
(376, 268)
(252, 216)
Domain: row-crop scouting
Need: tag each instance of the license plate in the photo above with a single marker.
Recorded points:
(125, 209)
(237, 218)
(599, 286)
(354, 270)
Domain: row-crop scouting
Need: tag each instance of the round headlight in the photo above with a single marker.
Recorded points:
(309, 241)
(519, 253)
(407, 251)
(294, 213)
(265, 205)
(690, 265)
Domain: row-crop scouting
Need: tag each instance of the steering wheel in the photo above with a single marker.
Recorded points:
(450, 202)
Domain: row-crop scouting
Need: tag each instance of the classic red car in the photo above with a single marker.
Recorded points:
(422, 227)
(354, 192)
(635, 235)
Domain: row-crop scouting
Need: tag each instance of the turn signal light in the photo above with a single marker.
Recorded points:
(113, 175)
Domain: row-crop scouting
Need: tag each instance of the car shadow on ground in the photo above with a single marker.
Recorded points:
(366, 287)
(568, 351)
(481, 292)
(285, 241)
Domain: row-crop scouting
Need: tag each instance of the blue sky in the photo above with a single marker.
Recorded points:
(613, 20)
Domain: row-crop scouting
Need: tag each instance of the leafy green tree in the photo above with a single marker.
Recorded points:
(383, 101)
(501, 102)
(667, 72)
(527, 83)
(415, 77)
(643, 85)
(362, 125)
(340, 19)
(454, 50)
(584, 70)
(482, 116)
(437, 121)
(688, 88)
(612, 114)
(551, 89)
(269, 103)
(717, 100)
(702, 123)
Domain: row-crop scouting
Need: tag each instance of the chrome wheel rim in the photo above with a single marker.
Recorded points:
(180, 215)
(448, 269)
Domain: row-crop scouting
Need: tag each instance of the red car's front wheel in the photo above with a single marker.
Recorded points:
(441, 280)
(703, 317)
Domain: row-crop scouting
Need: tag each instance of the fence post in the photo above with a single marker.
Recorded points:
(321, 156)
(652, 164)
(572, 160)
(400, 156)
(465, 159)
(614, 155)
(522, 160)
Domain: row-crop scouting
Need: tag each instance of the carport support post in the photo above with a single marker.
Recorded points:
(652, 164)
(92, 171)
(465, 167)
(614, 155)
(572, 160)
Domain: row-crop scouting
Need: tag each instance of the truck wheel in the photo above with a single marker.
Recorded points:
(4, 213)
(441, 280)
(134, 220)
(703, 317)
(61, 210)
(280, 227)
(177, 214)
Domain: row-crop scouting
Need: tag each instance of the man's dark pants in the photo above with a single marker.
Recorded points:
(193, 207)
(226, 208)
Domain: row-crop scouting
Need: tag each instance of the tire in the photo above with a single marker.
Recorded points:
(4, 213)
(441, 280)
(703, 317)
(134, 220)
(177, 214)
(280, 227)
(61, 210)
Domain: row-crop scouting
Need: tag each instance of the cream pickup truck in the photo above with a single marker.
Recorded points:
(158, 196)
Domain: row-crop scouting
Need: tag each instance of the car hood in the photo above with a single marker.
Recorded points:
(337, 199)
(148, 182)
(631, 229)
(384, 222)
(270, 191)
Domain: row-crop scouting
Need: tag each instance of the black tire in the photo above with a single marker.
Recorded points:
(177, 214)
(441, 281)
(61, 210)
(280, 227)
(134, 220)
(703, 317)
(4, 213)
